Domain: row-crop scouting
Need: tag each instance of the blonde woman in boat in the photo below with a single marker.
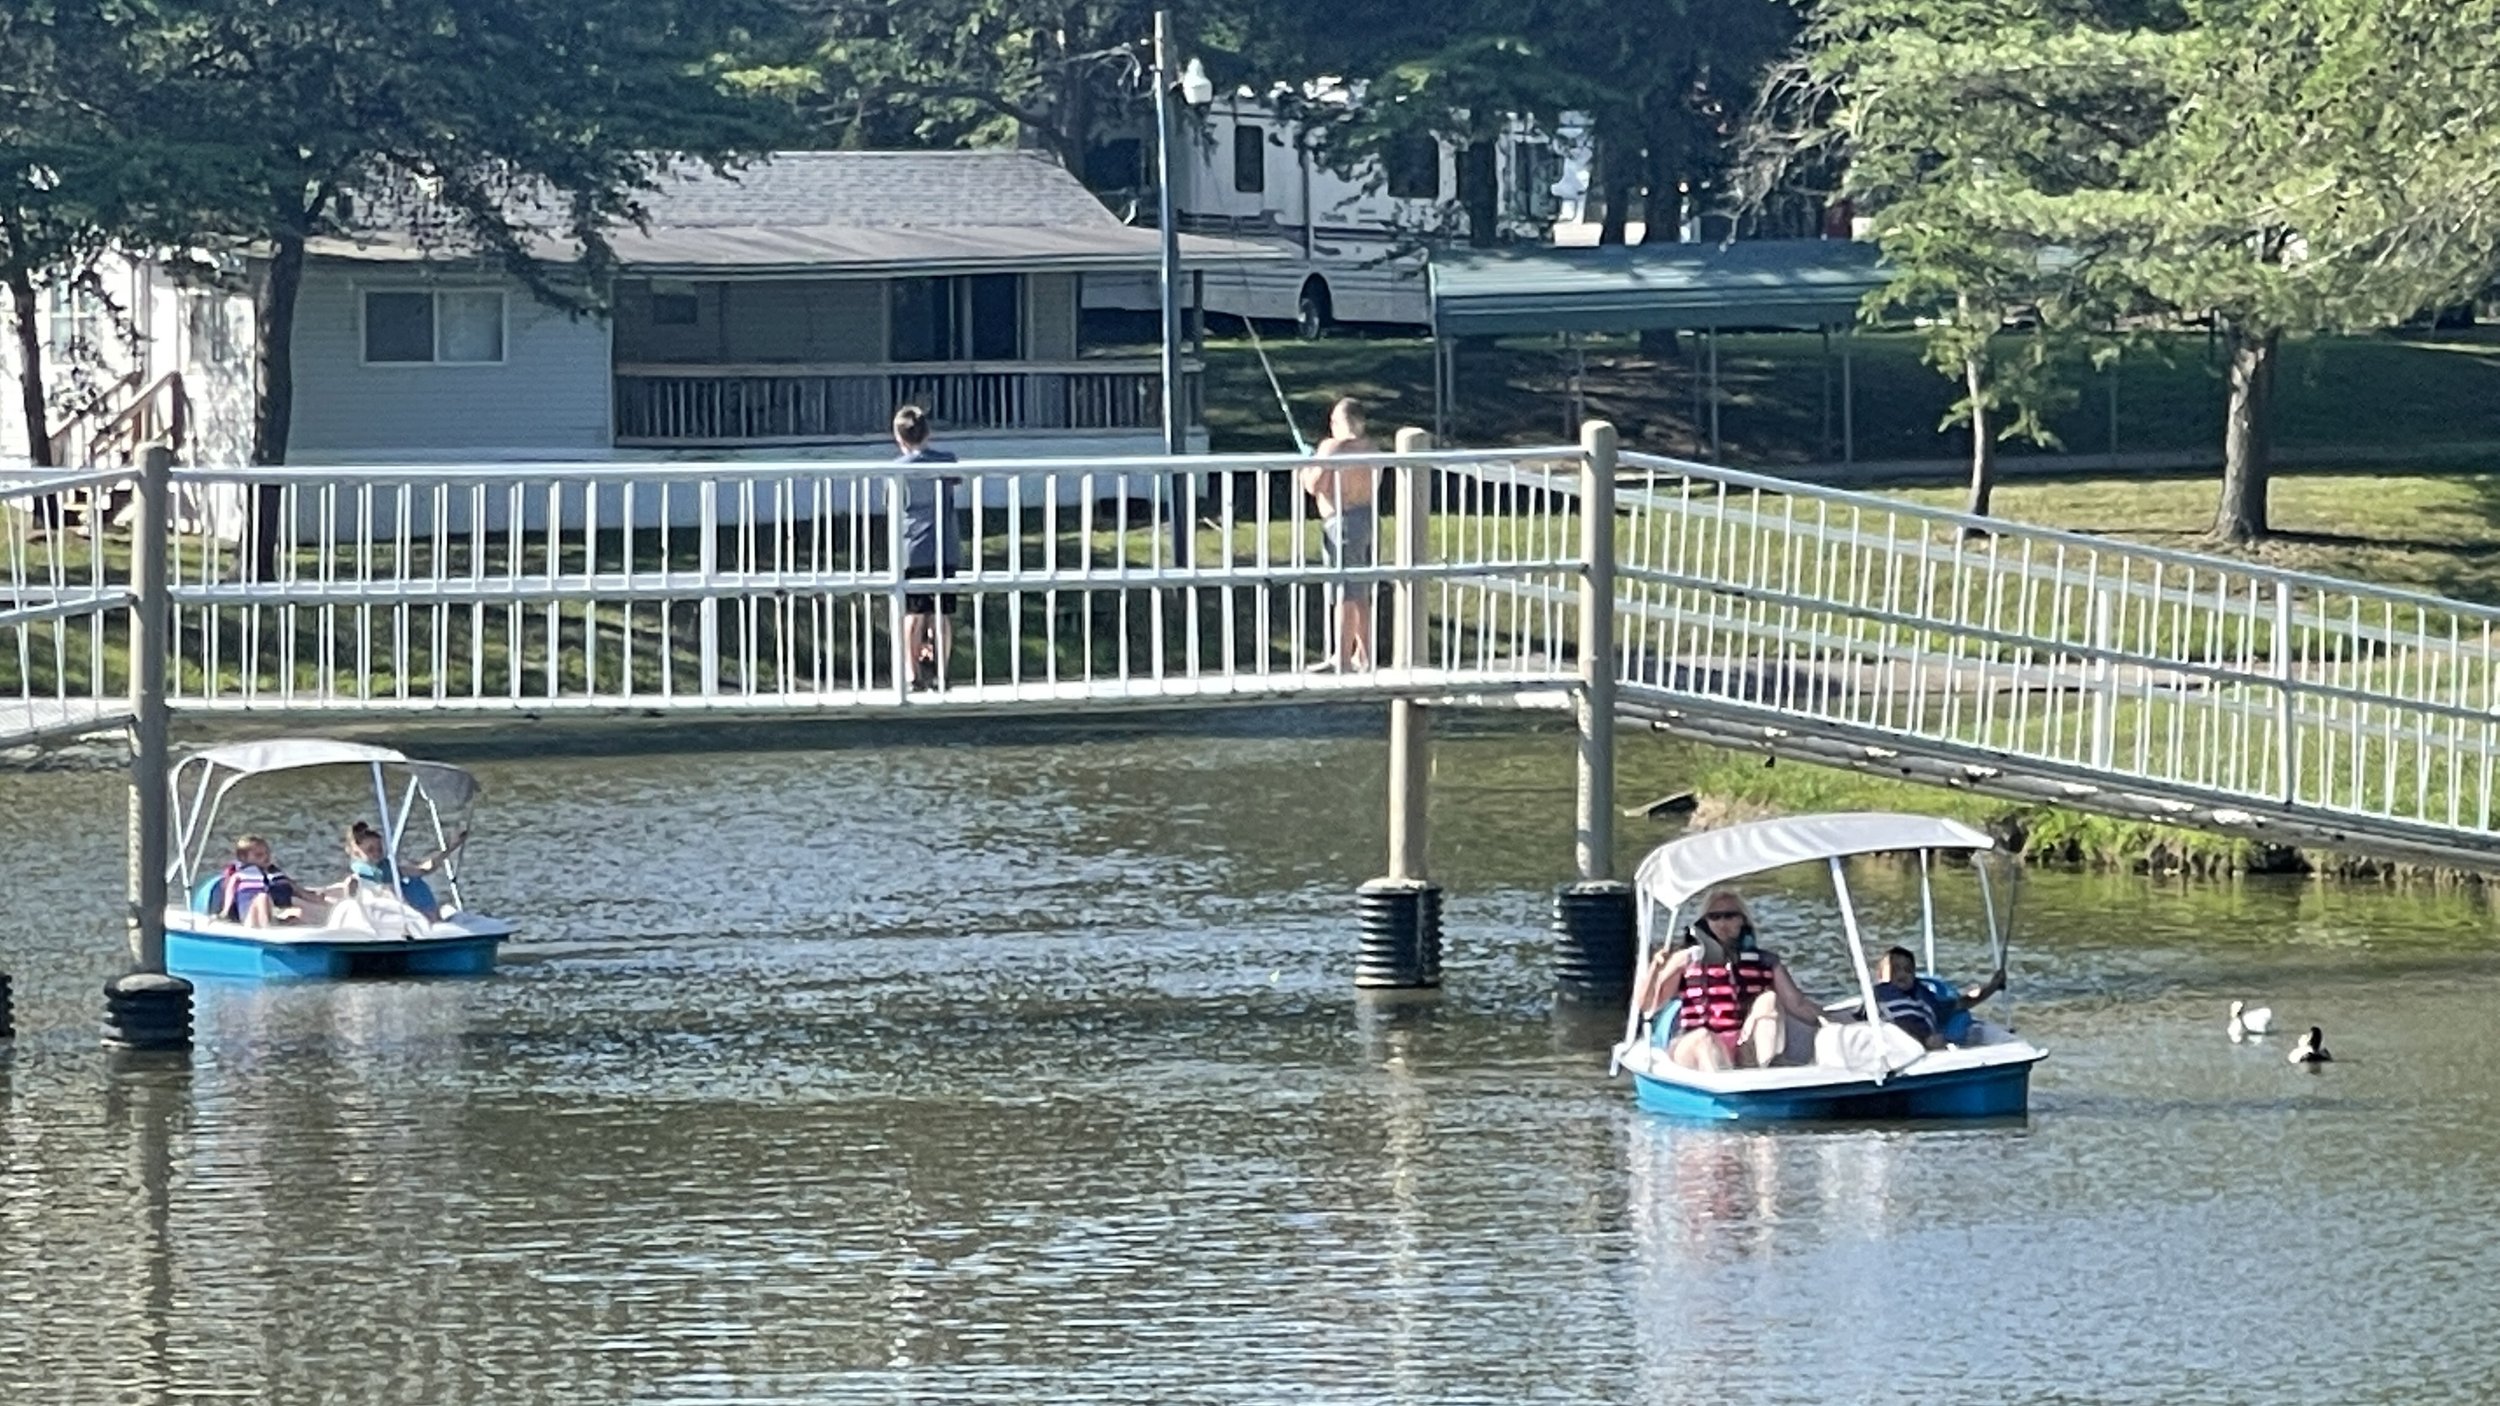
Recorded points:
(1737, 995)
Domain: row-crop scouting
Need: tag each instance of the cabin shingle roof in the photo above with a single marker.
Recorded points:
(851, 213)
(880, 190)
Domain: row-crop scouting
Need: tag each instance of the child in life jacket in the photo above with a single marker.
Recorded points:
(368, 863)
(255, 891)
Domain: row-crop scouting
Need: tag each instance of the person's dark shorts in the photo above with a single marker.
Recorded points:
(928, 602)
(1346, 539)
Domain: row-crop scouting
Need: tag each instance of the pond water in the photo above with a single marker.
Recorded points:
(875, 1069)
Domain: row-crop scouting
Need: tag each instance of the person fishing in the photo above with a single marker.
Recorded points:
(1347, 527)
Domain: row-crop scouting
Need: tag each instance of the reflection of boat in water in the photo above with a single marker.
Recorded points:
(1859, 1068)
(387, 923)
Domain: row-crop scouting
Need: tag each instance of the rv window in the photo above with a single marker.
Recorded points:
(1249, 158)
(1414, 168)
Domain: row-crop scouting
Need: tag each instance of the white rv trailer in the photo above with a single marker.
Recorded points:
(1350, 244)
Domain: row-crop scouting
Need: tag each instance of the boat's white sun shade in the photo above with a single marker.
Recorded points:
(1676, 871)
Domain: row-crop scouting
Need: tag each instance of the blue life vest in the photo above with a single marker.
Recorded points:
(1956, 1026)
(417, 892)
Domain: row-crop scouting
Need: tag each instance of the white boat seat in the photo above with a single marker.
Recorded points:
(1865, 1048)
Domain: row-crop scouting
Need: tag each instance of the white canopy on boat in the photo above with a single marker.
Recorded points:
(1679, 869)
(289, 753)
(200, 782)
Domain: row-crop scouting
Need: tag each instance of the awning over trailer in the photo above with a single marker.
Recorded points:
(1789, 283)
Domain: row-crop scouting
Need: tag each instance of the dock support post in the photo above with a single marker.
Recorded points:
(1593, 916)
(1400, 913)
(145, 1009)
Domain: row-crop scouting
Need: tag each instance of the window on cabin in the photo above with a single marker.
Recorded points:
(994, 315)
(468, 328)
(77, 317)
(457, 327)
(399, 327)
(675, 310)
(1249, 158)
(211, 319)
(979, 317)
(1413, 166)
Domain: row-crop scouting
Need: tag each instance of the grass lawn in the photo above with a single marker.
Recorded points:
(2438, 533)
(2378, 391)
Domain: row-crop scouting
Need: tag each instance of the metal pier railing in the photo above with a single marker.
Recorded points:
(1749, 610)
(1883, 635)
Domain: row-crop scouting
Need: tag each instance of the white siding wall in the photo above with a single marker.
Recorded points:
(130, 285)
(548, 400)
(218, 373)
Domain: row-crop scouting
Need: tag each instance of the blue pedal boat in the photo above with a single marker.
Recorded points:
(1858, 1070)
(368, 928)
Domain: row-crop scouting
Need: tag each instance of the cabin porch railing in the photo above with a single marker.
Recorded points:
(696, 406)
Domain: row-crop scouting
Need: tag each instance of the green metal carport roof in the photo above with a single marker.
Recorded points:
(1800, 283)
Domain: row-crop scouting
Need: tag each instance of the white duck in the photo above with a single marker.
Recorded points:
(2312, 1048)
(2246, 1023)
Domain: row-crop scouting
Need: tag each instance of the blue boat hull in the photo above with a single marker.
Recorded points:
(1996, 1091)
(197, 954)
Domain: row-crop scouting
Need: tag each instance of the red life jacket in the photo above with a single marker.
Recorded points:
(1716, 997)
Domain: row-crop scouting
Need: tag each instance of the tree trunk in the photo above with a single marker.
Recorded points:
(1480, 191)
(273, 416)
(1662, 215)
(1662, 222)
(1983, 441)
(2247, 436)
(1075, 120)
(1614, 178)
(24, 310)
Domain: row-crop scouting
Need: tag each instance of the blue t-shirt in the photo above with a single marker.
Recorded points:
(928, 514)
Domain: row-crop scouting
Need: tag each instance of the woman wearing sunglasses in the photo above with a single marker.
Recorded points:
(1732, 993)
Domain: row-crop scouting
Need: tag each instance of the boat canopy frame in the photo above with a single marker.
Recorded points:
(211, 774)
(1681, 870)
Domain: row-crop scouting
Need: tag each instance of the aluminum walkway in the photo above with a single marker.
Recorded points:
(1745, 610)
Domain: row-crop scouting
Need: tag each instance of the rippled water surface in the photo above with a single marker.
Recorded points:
(949, 1072)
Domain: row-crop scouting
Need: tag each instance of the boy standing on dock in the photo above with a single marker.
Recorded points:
(932, 549)
(1345, 498)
